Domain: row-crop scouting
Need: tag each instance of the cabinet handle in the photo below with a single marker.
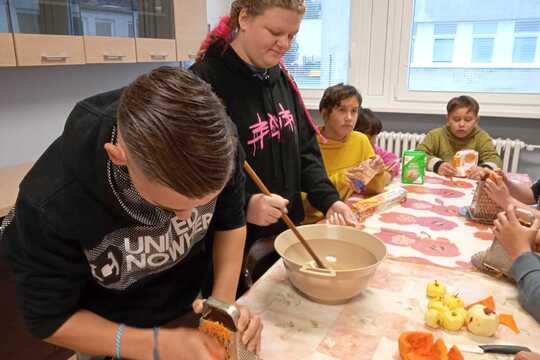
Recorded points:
(160, 56)
(113, 57)
(46, 57)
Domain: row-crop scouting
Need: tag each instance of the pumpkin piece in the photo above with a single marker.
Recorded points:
(412, 341)
(508, 321)
(437, 351)
(487, 302)
(455, 354)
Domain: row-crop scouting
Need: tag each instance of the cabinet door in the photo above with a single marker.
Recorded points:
(34, 49)
(155, 40)
(46, 32)
(191, 26)
(155, 50)
(108, 27)
(104, 49)
(7, 51)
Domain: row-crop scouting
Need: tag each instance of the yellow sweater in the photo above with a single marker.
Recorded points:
(338, 157)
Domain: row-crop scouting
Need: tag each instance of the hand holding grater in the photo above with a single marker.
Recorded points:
(219, 320)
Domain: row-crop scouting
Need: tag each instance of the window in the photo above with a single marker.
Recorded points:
(4, 17)
(524, 49)
(104, 27)
(476, 47)
(483, 42)
(525, 41)
(443, 49)
(443, 44)
(319, 54)
(28, 22)
(482, 51)
(131, 29)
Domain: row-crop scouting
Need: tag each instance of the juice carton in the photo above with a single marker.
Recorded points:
(413, 167)
(464, 160)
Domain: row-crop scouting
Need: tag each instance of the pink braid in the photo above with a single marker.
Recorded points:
(222, 30)
(306, 111)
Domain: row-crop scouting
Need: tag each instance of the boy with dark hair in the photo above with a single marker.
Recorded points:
(461, 132)
(347, 155)
(112, 230)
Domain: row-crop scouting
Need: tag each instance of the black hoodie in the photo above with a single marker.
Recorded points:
(80, 240)
(278, 140)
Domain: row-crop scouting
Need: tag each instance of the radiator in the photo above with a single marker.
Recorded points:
(508, 149)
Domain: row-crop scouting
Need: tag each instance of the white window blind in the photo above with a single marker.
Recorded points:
(319, 55)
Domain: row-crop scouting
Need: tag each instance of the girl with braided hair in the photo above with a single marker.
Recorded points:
(241, 59)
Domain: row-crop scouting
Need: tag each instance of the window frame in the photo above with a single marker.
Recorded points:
(379, 57)
(492, 104)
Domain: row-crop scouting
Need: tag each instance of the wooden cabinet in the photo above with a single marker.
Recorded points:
(109, 31)
(155, 36)
(191, 27)
(68, 32)
(35, 49)
(46, 32)
(102, 50)
(7, 50)
(154, 50)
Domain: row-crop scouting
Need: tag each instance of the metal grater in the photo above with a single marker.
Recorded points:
(227, 315)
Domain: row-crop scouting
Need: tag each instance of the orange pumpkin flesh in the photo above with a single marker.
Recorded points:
(487, 302)
(455, 354)
(411, 341)
(508, 320)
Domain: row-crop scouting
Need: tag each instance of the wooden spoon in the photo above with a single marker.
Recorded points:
(253, 175)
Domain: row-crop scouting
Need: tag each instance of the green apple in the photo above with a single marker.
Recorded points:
(453, 301)
(435, 289)
(433, 318)
(437, 305)
(452, 320)
(463, 312)
(482, 321)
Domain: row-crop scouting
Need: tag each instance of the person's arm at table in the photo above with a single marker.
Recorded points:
(516, 240)
(506, 192)
(89, 333)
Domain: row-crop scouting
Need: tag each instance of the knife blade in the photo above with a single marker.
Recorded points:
(496, 349)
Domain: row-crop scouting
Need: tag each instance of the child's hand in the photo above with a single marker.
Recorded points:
(514, 237)
(265, 210)
(503, 175)
(477, 173)
(377, 164)
(498, 192)
(446, 169)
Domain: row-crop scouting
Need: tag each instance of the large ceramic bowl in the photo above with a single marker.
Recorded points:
(351, 254)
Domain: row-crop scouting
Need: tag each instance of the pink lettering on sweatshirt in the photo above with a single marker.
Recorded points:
(272, 127)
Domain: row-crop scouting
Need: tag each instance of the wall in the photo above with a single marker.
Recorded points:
(35, 101)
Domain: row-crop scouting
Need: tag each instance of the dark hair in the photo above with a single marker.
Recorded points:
(228, 25)
(463, 101)
(368, 123)
(176, 129)
(333, 96)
